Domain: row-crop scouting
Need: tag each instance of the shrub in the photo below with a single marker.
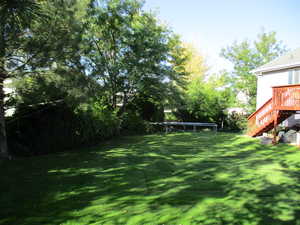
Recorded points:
(48, 128)
(132, 123)
(235, 122)
(97, 122)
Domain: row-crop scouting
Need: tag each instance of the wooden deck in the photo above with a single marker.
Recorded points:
(284, 102)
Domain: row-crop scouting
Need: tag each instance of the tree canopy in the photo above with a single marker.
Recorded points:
(80, 52)
(248, 55)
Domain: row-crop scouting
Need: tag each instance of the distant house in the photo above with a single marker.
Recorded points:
(278, 94)
(236, 110)
(243, 99)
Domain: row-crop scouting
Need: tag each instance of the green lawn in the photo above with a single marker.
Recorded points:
(180, 178)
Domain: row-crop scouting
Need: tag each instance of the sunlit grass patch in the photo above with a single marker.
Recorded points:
(179, 178)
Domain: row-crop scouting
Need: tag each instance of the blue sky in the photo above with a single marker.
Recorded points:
(214, 24)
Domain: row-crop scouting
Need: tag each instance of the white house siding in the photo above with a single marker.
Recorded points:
(265, 83)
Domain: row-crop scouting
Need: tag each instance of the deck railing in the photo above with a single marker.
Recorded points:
(286, 97)
(261, 117)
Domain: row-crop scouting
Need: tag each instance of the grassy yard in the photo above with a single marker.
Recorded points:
(180, 178)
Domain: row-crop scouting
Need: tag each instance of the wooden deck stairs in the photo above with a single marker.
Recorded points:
(284, 103)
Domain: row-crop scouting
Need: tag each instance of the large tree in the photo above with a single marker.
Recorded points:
(39, 38)
(195, 64)
(128, 51)
(16, 18)
(247, 56)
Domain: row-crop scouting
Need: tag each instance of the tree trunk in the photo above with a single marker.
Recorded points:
(124, 104)
(114, 100)
(3, 140)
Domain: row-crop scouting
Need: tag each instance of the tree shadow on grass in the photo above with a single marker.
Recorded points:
(186, 178)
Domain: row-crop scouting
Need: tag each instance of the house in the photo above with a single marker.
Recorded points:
(243, 99)
(236, 110)
(278, 94)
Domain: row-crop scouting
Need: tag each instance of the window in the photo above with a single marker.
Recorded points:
(294, 76)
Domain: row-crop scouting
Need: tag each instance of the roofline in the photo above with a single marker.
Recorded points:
(274, 68)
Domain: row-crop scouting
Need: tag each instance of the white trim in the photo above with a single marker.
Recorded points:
(274, 68)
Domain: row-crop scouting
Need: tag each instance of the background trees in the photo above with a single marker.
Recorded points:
(128, 52)
(205, 96)
(93, 61)
(247, 56)
(195, 64)
(206, 100)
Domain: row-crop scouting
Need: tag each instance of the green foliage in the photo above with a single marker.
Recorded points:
(57, 86)
(205, 97)
(96, 60)
(98, 122)
(88, 118)
(47, 128)
(132, 123)
(190, 178)
(195, 64)
(247, 56)
(206, 101)
(235, 122)
(170, 117)
(59, 111)
(149, 107)
(16, 18)
(129, 52)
